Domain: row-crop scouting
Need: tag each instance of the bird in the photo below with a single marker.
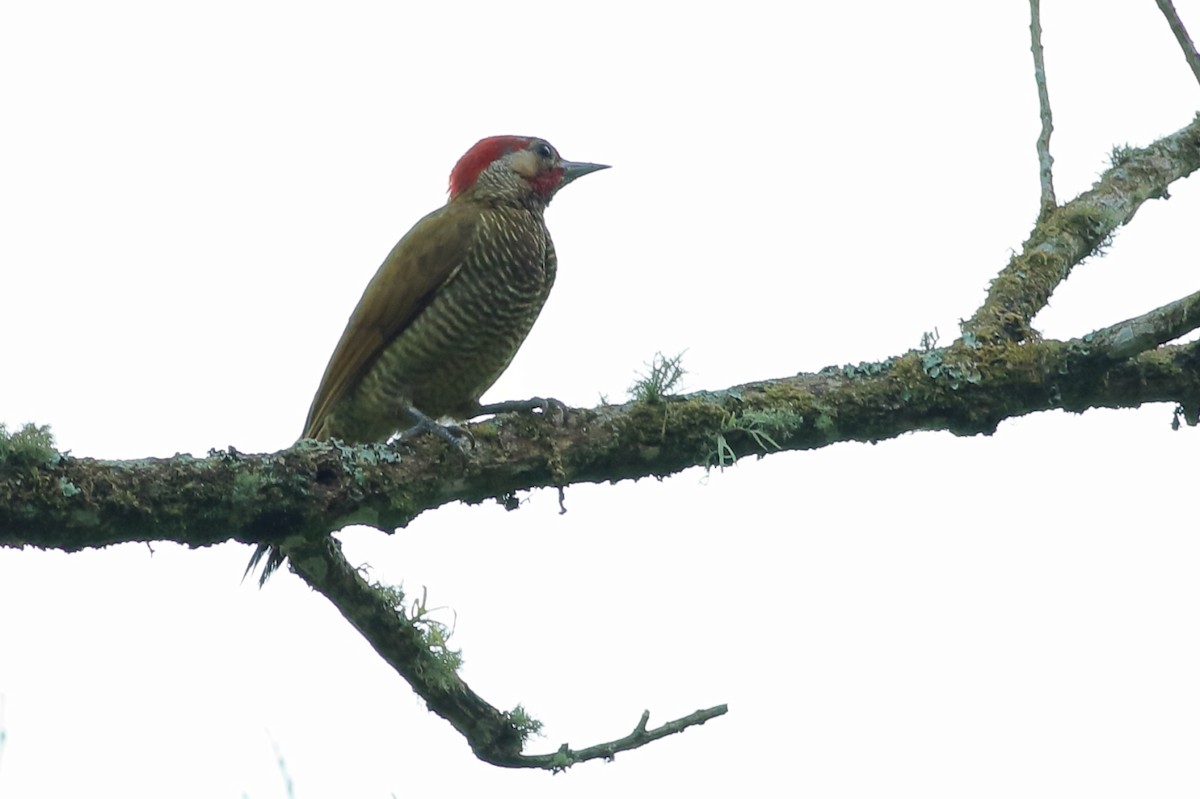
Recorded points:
(449, 307)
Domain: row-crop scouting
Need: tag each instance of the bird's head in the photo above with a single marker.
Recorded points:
(517, 170)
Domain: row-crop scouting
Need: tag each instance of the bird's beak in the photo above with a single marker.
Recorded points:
(577, 169)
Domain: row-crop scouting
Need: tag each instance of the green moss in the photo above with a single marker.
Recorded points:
(246, 487)
(797, 398)
(435, 634)
(763, 427)
(1092, 223)
(525, 725)
(826, 422)
(663, 376)
(392, 594)
(487, 432)
(1121, 155)
(31, 446)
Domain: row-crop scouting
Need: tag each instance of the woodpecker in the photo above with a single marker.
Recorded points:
(451, 304)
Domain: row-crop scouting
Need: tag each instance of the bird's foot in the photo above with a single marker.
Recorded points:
(451, 434)
(547, 405)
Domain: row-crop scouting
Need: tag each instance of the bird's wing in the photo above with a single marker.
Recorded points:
(422, 262)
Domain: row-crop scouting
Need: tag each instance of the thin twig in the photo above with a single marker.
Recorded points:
(1151, 329)
(566, 757)
(1045, 160)
(1181, 35)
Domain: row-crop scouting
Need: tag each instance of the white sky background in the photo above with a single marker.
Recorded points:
(192, 203)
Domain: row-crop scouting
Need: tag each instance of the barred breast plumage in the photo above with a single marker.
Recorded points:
(458, 345)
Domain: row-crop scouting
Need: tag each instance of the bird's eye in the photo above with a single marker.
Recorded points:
(544, 150)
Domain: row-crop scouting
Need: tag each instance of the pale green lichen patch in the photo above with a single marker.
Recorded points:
(951, 364)
(376, 454)
(866, 369)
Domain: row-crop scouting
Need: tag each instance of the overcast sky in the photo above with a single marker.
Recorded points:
(192, 202)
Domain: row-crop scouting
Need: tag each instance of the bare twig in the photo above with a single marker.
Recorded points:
(566, 757)
(1045, 160)
(1181, 35)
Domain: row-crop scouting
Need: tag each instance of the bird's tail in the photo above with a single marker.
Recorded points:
(274, 559)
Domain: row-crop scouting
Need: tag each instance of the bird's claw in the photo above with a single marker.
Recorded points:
(451, 434)
(550, 405)
(547, 405)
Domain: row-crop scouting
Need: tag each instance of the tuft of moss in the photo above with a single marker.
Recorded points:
(32, 445)
(762, 427)
(525, 725)
(1120, 155)
(434, 634)
(663, 377)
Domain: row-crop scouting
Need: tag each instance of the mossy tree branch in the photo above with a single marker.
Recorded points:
(998, 369)
(1067, 235)
(495, 737)
(299, 495)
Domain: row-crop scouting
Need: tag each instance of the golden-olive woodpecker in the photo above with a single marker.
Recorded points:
(451, 304)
